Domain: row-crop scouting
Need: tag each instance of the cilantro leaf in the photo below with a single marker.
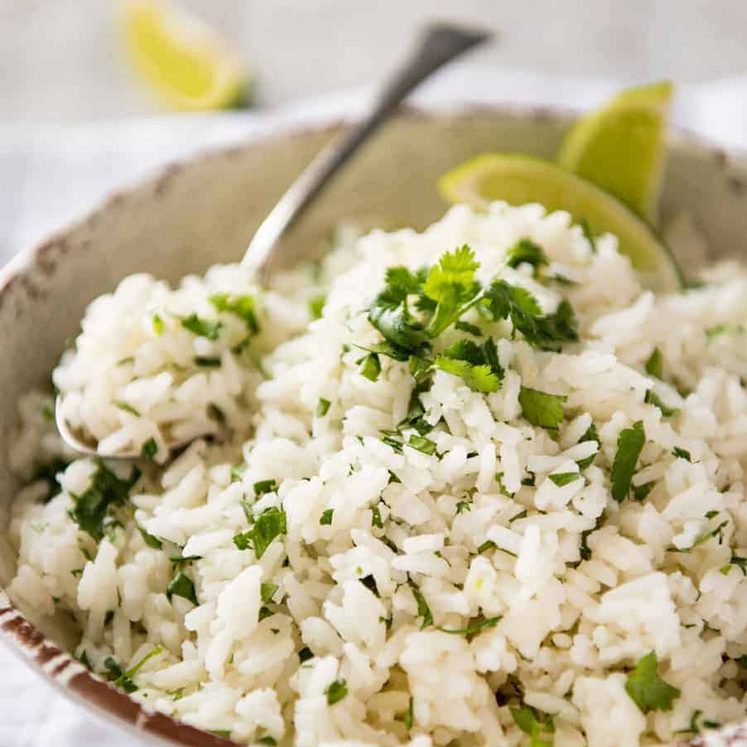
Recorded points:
(271, 523)
(267, 591)
(337, 691)
(370, 366)
(542, 409)
(647, 690)
(477, 365)
(564, 478)
(326, 518)
(629, 446)
(262, 487)
(525, 251)
(534, 723)
(105, 490)
(241, 306)
(654, 364)
(590, 435)
(681, 453)
(150, 539)
(424, 611)
(652, 398)
(316, 306)
(322, 407)
(182, 586)
(473, 627)
(157, 324)
(208, 328)
(149, 448)
(422, 444)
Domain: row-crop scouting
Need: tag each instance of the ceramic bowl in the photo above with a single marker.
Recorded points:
(202, 211)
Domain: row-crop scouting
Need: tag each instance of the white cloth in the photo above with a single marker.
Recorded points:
(51, 173)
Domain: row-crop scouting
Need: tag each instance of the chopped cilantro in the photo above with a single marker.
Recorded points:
(476, 364)
(737, 561)
(537, 725)
(525, 251)
(641, 491)
(721, 329)
(424, 611)
(237, 472)
(305, 654)
(322, 407)
(337, 691)
(470, 329)
(270, 524)
(422, 444)
(157, 323)
(652, 398)
(408, 716)
(589, 435)
(462, 506)
(327, 516)
(584, 549)
(124, 679)
(564, 478)
(126, 407)
(542, 409)
(150, 539)
(370, 583)
(647, 690)
(682, 453)
(654, 364)
(205, 361)
(521, 515)
(370, 366)
(104, 491)
(240, 306)
(182, 586)
(485, 546)
(473, 627)
(149, 448)
(376, 518)
(208, 328)
(629, 446)
(267, 591)
(267, 739)
(264, 486)
(48, 472)
(316, 305)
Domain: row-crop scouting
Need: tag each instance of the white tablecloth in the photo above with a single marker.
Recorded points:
(51, 173)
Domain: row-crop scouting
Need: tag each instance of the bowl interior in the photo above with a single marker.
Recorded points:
(202, 212)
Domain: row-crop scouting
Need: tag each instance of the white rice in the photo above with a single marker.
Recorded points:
(583, 586)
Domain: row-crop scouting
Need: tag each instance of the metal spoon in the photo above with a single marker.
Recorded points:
(438, 44)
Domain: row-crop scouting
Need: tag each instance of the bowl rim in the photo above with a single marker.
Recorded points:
(18, 634)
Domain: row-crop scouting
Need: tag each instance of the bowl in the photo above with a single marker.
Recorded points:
(202, 211)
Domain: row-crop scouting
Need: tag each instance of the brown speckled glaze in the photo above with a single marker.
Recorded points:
(199, 212)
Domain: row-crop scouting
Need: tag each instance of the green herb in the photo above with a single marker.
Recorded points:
(425, 445)
(641, 491)
(48, 472)
(241, 306)
(424, 611)
(473, 627)
(182, 586)
(305, 654)
(584, 549)
(370, 366)
(238, 471)
(122, 678)
(542, 409)
(629, 446)
(125, 407)
(266, 739)
(376, 518)
(647, 690)
(526, 251)
(470, 329)
(370, 583)
(477, 365)
(408, 716)
(485, 546)
(264, 486)
(316, 305)
(588, 235)
(267, 591)
(271, 523)
(738, 561)
(327, 516)
(654, 364)
(157, 323)
(83, 659)
(564, 478)
(150, 539)
(337, 691)
(48, 413)
(682, 453)
(206, 362)
(652, 398)
(589, 435)
(106, 490)
(720, 329)
(463, 506)
(322, 407)
(539, 726)
(505, 301)
(149, 448)
(208, 328)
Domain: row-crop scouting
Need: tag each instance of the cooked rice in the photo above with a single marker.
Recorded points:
(326, 638)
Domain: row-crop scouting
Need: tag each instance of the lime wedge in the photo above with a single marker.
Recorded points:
(186, 63)
(519, 179)
(621, 147)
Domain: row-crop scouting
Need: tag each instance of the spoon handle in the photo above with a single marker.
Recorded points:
(439, 43)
